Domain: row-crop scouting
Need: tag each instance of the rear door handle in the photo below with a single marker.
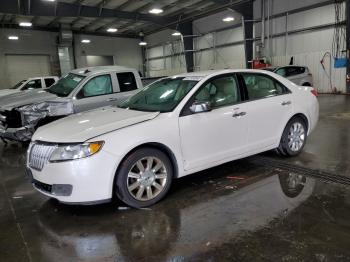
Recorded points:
(112, 99)
(236, 115)
(286, 103)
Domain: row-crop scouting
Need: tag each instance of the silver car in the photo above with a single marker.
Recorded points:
(300, 75)
(80, 90)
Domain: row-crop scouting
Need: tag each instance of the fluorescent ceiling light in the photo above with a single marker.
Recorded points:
(85, 41)
(228, 19)
(176, 34)
(156, 11)
(142, 43)
(112, 30)
(13, 37)
(25, 24)
(50, 0)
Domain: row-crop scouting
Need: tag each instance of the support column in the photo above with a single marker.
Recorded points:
(186, 30)
(246, 10)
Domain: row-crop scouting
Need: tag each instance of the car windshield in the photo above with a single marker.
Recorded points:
(161, 96)
(16, 86)
(66, 85)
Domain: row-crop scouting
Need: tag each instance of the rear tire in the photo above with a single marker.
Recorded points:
(293, 138)
(144, 177)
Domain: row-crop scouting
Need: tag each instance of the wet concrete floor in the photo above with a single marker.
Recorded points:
(240, 211)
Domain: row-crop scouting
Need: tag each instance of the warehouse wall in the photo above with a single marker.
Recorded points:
(125, 51)
(307, 47)
(29, 43)
(221, 44)
(165, 52)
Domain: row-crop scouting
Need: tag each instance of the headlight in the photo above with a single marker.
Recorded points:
(71, 152)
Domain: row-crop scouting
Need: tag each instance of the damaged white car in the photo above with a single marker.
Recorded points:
(80, 90)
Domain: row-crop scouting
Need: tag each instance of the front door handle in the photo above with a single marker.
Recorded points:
(236, 115)
(112, 99)
(286, 103)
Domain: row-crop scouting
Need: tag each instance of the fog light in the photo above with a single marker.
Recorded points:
(61, 190)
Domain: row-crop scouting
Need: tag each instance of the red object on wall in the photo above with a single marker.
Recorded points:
(259, 63)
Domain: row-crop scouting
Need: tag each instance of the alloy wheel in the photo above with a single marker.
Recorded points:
(296, 136)
(147, 178)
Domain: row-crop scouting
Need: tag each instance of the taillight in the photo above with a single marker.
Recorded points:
(314, 92)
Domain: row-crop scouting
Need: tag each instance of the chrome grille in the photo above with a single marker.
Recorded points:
(39, 155)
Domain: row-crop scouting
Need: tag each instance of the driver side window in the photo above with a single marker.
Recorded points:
(99, 85)
(32, 84)
(219, 92)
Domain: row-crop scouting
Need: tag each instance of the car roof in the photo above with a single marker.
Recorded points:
(86, 71)
(35, 77)
(292, 66)
(204, 74)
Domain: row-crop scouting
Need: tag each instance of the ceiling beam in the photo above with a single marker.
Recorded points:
(237, 5)
(62, 9)
(51, 29)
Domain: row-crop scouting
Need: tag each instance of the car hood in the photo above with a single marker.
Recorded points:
(5, 92)
(12, 101)
(84, 126)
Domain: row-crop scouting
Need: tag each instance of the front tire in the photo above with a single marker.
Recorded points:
(293, 138)
(144, 177)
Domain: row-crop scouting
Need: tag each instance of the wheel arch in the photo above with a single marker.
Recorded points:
(300, 115)
(303, 117)
(306, 84)
(165, 149)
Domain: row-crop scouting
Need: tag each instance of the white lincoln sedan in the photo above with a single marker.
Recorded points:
(174, 127)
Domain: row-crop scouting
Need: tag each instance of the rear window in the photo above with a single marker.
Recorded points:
(49, 82)
(127, 82)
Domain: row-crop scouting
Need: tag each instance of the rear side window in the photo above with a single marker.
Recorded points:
(302, 70)
(295, 70)
(97, 86)
(261, 86)
(127, 81)
(32, 84)
(49, 82)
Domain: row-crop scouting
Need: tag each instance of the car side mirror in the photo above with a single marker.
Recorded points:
(200, 107)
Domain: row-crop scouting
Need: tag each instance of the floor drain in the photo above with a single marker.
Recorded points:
(320, 174)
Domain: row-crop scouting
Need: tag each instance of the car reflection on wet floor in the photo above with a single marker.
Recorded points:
(253, 213)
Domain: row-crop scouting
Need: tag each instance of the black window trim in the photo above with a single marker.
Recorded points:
(49, 78)
(88, 80)
(185, 111)
(247, 99)
(133, 73)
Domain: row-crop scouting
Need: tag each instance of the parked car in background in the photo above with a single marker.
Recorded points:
(174, 127)
(80, 90)
(300, 75)
(29, 84)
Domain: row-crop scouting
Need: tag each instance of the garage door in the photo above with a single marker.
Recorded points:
(94, 60)
(19, 67)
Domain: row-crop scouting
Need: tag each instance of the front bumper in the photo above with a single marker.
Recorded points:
(22, 134)
(81, 181)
